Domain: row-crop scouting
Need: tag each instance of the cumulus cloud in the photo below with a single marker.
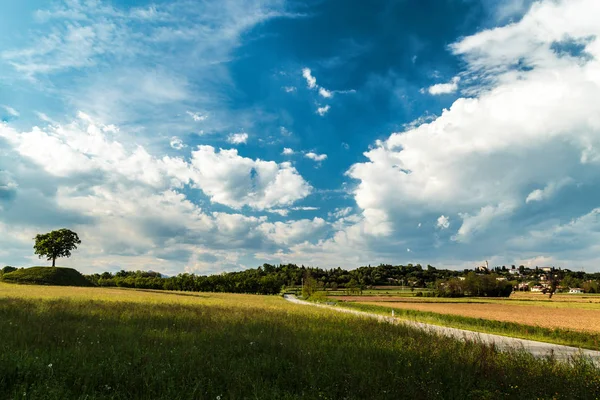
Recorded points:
(323, 110)
(325, 93)
(444, 88)
(316, 157)
(235, 181)
(127, 204)
(482, 156)
(311, 81)
(289, 233)
(237, 138)
(287, 151)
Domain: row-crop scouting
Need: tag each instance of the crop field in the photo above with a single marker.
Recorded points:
(92, 343)
(585, 320)
(564, 319)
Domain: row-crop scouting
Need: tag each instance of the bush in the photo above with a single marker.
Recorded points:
(8, 269)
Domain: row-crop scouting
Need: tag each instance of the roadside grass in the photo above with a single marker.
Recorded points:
(92, 343)
(584, 340)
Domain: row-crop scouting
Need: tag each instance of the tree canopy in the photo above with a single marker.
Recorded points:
(56, 244)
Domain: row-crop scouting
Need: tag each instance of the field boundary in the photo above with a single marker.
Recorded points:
(502, 343)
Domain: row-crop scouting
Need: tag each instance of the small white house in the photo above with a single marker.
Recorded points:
(537, 288)
(576, 290)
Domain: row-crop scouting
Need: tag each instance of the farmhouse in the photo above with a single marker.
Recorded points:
(575, 290)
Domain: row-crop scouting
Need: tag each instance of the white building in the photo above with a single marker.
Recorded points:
(576, 290)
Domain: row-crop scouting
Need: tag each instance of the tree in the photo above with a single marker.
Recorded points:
(8, 269)
(56, 244)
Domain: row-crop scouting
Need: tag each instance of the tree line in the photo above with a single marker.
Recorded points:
(271, 279)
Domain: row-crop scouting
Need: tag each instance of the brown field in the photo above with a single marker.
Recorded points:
(572, 318)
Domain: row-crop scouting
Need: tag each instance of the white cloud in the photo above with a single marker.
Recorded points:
(443, 222)
(311, 81)
(305, 208)
(11, 111)
(340, 212)
(238, 138)
(196, 116)
(316, 157)
(235, 181)
(548, 191)
(289, 233)
(323, 110)
(444, 88)
(325, 93)
(483, 155)
(287, 151)
(284, 131)
(177, 143)
(289, 89)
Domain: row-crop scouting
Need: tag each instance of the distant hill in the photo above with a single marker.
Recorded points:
(56, 276)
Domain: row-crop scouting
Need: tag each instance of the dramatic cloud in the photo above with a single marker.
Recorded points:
(128, 204)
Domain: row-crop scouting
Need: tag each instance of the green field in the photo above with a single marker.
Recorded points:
(93, 343)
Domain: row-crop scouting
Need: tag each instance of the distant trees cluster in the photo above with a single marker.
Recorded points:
(271, 279)
(482, 285)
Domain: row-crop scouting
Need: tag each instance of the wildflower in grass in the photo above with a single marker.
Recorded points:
(50, 365)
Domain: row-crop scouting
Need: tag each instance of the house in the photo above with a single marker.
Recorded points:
(546, 269)
(514, 272)
(537, 288)
(523, 286)
(576, 290)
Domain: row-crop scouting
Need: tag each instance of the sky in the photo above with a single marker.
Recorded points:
(217, 135)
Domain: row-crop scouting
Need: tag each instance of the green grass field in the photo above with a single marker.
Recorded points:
(93, 343)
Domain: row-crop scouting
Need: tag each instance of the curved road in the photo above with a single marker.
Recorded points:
(538, 349)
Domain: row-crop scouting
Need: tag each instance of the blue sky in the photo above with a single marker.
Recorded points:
(209, 136)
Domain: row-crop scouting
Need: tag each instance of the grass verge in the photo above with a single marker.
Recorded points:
(556, 336)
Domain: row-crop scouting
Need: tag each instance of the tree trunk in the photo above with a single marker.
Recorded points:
(53, 261)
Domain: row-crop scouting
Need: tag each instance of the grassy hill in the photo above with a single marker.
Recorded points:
(47, 276)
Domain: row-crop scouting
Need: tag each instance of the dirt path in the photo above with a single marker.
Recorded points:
(538, 349)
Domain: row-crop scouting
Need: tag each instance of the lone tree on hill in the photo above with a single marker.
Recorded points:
(56, 244)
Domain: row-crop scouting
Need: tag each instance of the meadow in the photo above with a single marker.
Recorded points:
(96, 343)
